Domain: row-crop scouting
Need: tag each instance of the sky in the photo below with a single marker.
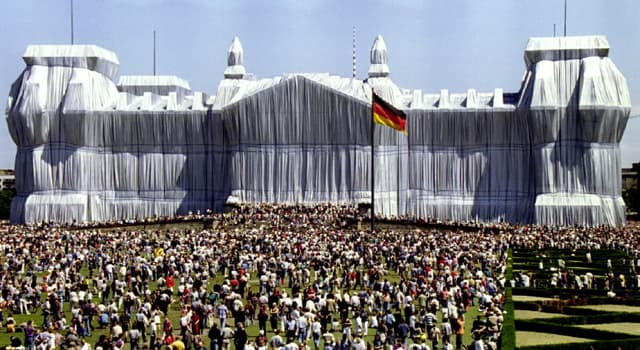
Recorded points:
(433, 45)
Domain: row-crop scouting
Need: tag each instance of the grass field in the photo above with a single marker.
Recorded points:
(536, 338)
(620, 327)
(529, 315)
(611, 307)
(530, 298)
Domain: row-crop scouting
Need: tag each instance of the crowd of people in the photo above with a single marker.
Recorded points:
(303, 274)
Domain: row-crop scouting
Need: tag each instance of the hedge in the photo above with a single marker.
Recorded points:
(623, 344)
(528, 260)
(580, 319)
(552, 326)
(577, 254)
(508, 334)
(564, 309)
(624, 296)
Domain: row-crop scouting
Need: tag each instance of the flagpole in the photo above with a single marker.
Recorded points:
(154, 52)
(373, 171)
(565, 17)
(382, 112)
(71, 17)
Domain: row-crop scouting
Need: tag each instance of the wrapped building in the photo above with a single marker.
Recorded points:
(93, 149)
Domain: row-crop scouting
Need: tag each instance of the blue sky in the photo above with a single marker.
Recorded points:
(433, 45)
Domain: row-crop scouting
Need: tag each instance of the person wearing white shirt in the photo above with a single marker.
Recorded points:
(374, 321)
(109, 269)
(116, 330)
(328, 337)
(291, 345)
(358, 344)
(227, 334)
(446, 344)
(47, 340)
(222, 313)
(134, 338)
(310, 305)
(85, 345)
(73, 298)
(276, 341)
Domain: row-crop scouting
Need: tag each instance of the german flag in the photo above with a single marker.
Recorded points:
(386, 114)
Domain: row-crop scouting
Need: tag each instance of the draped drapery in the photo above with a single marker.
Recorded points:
(89, 150)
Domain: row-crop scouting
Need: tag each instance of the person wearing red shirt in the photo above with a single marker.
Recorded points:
(170, 282)
(195, 323)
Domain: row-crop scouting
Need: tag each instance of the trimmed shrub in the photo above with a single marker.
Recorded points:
(554, 326)
(624, 344)
(508, 334)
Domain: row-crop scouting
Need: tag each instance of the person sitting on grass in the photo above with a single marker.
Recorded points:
(15, 341)
(72, 339)
(11, 324)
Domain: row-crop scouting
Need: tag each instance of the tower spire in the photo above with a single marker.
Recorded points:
(235, 61)
(379, 67)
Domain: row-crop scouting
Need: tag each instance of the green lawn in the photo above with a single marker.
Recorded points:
(611, 307)
(536, 338)
(530, 298)
(528, 315)
(619, 327)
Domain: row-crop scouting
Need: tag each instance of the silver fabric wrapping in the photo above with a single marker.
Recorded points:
(89, 150)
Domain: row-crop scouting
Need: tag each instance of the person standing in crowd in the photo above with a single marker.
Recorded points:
(446, 345)
(459, 331)
(263, 316)
(261, 341)
(177, 344)
(227, 334)
(214, 337)
(29, 335)
(312, 268)
(141, 323)
(274, 316)
(167, 328)
(276, 342)
(240, 336)
(222, 313)
(134, 338)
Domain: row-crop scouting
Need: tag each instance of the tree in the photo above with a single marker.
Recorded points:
(6, 196)
(631, 198)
